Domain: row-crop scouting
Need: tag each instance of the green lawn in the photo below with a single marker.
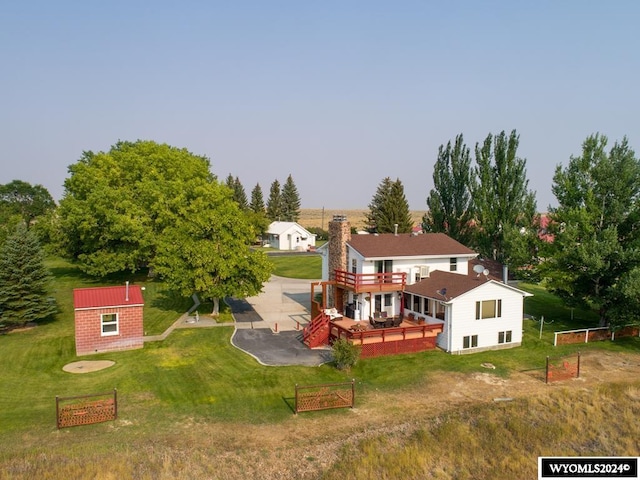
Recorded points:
(297, 266)
(197, 374)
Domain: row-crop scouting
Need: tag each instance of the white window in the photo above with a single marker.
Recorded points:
(488, 309)
(109, 324)
(470, 341)
(453, 264)
(504, 337)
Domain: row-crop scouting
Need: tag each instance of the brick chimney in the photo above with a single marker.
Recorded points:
(339, 235)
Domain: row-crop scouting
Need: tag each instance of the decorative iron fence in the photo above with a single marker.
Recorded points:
(85, 411)
(325, 396)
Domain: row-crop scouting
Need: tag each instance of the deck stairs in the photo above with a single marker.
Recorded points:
(316, 333)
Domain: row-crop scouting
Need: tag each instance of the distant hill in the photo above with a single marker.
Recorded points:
(316, 217)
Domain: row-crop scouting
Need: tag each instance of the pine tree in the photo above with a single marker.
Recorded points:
(274, 203)
(229, 181)
(23, 280)
(239, 195)
(450, 202)
(389, 209)
(290, 201)
(257, 200)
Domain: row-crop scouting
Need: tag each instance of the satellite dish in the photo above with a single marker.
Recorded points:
(485, 272)
(478, 269)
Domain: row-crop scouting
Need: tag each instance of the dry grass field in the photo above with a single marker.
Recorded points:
(320, 218)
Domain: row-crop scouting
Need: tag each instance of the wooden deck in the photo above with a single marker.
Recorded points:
(408, 337)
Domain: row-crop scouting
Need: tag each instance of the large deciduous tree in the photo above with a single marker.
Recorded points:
(504, 206)
(594, 259)
(24, 280)
(389, 209)
(205, 250)
(290, 201)
(143, 204)
(450, 203)
(28, 201)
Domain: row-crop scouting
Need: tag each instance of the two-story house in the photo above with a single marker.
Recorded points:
(423, 279)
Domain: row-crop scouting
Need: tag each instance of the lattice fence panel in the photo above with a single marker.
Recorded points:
(85, 411)
(323, 397)
(412, 345)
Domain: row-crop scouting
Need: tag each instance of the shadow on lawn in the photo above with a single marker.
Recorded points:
(168, 301)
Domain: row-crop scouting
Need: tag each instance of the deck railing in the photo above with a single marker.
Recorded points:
(371, 281)
(385, 333)
(390, 341)
(316, 333)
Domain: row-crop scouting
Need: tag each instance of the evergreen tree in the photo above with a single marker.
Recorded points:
(23, 280)
(274, 202)
(594, 260)
(229, 181)
(503, 204)
(239, 195)
(257, 200)
(389, 209)
(450, 204)
(290, 201)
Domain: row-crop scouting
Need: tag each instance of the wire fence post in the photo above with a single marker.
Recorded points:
(546, 374)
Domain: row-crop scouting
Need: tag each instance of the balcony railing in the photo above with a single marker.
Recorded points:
(369, 282)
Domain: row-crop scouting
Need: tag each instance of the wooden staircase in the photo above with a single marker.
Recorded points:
(316, 333)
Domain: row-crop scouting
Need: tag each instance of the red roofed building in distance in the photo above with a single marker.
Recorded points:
(108, 319)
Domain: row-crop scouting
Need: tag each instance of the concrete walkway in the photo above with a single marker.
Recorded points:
(267, 326)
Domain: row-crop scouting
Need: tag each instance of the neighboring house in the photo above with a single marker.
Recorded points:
(428, 278)
(290, 236)
(108, 318)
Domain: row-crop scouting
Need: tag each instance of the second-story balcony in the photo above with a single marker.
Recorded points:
(371, 282)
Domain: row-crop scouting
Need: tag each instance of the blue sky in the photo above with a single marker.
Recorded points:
(339, 94)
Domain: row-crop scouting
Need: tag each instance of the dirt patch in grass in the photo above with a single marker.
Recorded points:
(86, 366)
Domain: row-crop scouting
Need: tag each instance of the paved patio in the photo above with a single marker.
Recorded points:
(269, 326)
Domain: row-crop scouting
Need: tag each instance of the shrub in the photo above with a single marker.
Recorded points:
(345, 354)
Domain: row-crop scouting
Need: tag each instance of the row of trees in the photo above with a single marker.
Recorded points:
(146, 205)
(487, 205)
(593, 259)
(283, 203)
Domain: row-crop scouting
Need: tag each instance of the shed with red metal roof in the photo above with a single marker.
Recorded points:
(108, 318)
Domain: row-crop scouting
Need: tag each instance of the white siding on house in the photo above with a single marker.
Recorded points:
(290, 236)
(410, 266)
(487, 330)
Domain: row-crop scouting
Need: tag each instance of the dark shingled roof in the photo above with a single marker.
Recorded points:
(407, 245)
(455, 285)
